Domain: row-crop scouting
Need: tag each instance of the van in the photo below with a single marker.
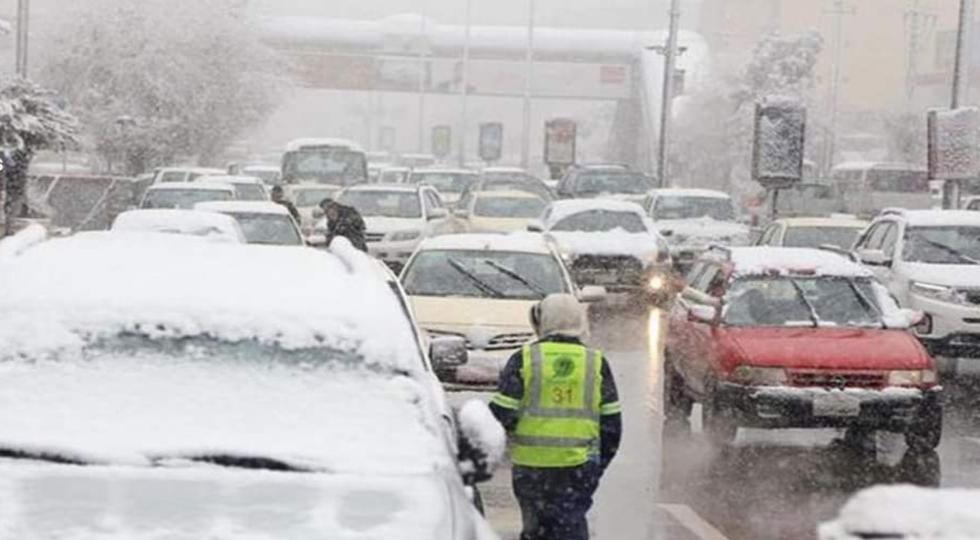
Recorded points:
(864, 188)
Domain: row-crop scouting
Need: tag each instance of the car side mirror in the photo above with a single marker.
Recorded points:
(873, 257)
(482, 442)
(903, 319)
(591, 293)
(446, 352)
(535, 225)
(703, 314)
(438, 213)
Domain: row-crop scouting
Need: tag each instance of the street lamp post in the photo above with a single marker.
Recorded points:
(23, 17)
(528, 78)
(667, 96)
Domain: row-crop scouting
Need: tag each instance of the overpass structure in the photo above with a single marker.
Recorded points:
(412, 53)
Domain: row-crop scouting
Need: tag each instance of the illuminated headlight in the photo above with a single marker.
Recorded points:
(657, 282)
(911, 377)
(760, 376)
(404, 236)
(941, 293)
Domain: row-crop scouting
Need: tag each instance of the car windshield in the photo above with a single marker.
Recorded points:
(307, 198)
(684, 207)
(326, 165)
(377, 203)
(393, 176)
(593, 183)
(484, 274)
(801, 301)
(173, 176)
(942, 245)
(250, 192)
(842, 237)
(445, 182)
(268, 229)
(183, 198)
(508, 207)
(601, 221)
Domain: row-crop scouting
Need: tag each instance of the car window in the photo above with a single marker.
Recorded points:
(692, 207)
(508, 207)
(484, 274)
(183, 198)
(250, 192)
(890, 240)
(431, 201)
(173, 176)
(792, 301)
(601, 221)
(974, 205)
(594, 183)
(270, 229)
(814, 237)
(768, 236)
(709, 278)
(875, 236)
(395, 204)
(942, 245)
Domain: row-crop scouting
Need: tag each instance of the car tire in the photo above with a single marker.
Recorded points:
(677, 404)
(926, 432)
(719, 423)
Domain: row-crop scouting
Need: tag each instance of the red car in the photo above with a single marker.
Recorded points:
(769, 337)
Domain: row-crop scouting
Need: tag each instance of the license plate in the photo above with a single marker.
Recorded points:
(836, 404)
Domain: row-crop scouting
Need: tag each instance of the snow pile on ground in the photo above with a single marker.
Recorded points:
(615, 242)
(482, 430)
(908, 512)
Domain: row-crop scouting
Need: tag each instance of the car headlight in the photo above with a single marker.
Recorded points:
(657, 282)
(938, 292)
(760, 376)
(404, 236)
(911, 377)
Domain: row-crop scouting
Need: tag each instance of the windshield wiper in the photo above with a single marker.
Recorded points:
(513, 274)
(480, 284)
(51, 457)
(869, 306)
(813, 311)
(236, 461)
(951, 250)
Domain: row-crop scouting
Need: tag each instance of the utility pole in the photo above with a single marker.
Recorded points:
(667, 95)
(839, 10)
(528, 87)
(464, 89)
(23, 18)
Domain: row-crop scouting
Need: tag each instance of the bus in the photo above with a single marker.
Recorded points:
(865, 188)
(324, 161)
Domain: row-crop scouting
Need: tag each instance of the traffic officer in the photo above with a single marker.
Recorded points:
(558, 402)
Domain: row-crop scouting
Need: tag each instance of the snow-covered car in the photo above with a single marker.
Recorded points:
(247, 188)
(604, 181)
(507, 179)
(163, 386)
(837, 231)
(693, 219)
(183, 174)
(797, 338)
(185, 195)
(499, 211)
(481, 287)
(307, 198)
(930, 261)
(451, 183)
(907, 513)
(262, 222)
(210, 225)
(394, 175)
(609, 243)
(325, 160)
(972, 203)
(397, 218)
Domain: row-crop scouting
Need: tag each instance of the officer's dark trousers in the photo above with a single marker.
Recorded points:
(554, 501)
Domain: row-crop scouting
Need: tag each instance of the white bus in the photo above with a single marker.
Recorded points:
(865, 188)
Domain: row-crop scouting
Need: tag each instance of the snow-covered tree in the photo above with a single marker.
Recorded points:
(31, 119)
(157, 80)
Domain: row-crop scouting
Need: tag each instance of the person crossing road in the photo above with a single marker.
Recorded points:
(558, 401)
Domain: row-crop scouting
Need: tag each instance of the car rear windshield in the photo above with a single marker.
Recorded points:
(183, 198)
(601, 221)
(842, 237)
(484, 274)
(268, 229)
(307, 198)
(445, 182)
(394, 204)
(250, 192)
(508, 207)
(802, 301)
(685, 207)
(327, 165)
(594, 183)
(942, 245)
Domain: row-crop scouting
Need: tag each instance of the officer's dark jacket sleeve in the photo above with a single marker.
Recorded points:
(510, 391)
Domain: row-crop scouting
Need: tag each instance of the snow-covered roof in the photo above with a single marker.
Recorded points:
(520, 242)
(941, 218)
(229, 179)
(298, 144)
(766, 260)
(210, 225)
(691, 192)
(63, 291)
(559, 210)
(849, 221)
(243, 207)
(907, 512)
(192, 186)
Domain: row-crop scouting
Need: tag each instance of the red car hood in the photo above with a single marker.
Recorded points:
(829, 348)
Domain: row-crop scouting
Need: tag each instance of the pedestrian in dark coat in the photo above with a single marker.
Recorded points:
(279, 197)
(344, 221)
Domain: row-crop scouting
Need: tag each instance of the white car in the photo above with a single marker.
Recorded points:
(397, 218)
(163, 386)
(307, 198)
(210, 225)
(930, 261)
(611, 244)
(451, 183)
(907, 512)
(813, 232)
(480, 287)
(247, 188)
(499, 211)
(183, 174)
(185, 195)
(693, 219)
(262, 222)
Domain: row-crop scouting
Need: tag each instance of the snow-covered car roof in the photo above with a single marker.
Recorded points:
(939, 218)
(263, 168)
(518, 242)
(907, 512)
(209, 225)
(691, 192)
(192, 186)
(243, 207)
(299, 144)
(559, 210)
(841, 221)
(65, 292)
(506, 194)
(230, 179)
(767, 260)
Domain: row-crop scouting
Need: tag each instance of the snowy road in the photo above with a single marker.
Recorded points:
(769, 485)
